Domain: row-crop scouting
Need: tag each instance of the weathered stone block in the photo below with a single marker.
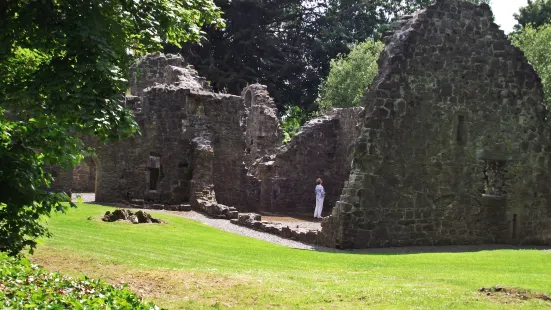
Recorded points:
(232, 215)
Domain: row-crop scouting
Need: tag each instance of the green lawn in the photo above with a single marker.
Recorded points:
(185, 264)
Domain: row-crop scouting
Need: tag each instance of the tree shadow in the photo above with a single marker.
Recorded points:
(433, 249)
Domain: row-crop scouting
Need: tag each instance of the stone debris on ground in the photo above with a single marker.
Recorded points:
(140, 217)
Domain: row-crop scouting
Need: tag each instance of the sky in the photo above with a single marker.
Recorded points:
(504, 10)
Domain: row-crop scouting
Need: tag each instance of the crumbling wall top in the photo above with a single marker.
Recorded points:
(263, 132)
(168, 69)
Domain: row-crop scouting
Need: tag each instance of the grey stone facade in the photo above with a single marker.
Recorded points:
(191, 140)
(455, 146)
(163, 69)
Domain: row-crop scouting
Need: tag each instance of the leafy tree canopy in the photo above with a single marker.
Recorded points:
(535, 13)
(536, 45)
(350, 76)
(63, 69)
(288, 44)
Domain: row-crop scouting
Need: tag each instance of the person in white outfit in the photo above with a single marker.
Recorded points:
(320, 195)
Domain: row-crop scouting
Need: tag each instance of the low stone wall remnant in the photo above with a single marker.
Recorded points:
(254, 221)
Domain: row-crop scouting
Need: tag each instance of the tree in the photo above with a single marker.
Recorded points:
(536, 13)
(265, 42)
(63, 69)
(288, 44)
(350, 76)
(536, 45)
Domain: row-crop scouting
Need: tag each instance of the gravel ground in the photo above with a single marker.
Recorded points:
(86, 197)
(307, 225)
(294, 222)
(244, 231)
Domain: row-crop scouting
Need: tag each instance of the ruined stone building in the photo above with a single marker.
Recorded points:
(215, 150)
(452, 144)
(455, 146)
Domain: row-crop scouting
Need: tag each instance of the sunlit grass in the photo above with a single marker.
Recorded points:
(186, 264)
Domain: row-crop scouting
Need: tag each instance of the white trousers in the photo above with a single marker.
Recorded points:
(319, 207)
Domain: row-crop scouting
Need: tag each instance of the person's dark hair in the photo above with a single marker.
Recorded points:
(318, 181)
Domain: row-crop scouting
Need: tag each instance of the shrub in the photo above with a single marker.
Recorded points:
(27, 286)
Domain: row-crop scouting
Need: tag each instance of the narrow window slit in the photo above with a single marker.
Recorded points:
(460, 136)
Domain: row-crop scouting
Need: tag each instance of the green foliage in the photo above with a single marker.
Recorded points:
(27, 286)
(536, 45)
(350, 76)
(63, 69)
(292, 120)
(288, 44)
(535, 13)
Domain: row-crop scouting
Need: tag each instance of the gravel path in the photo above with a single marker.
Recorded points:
(293, 223)
(244, 231)
(86, 197)
(306, 225)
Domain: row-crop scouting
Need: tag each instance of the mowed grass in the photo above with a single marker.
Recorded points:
(186, 264)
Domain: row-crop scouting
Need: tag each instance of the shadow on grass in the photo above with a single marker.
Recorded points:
(436, 249)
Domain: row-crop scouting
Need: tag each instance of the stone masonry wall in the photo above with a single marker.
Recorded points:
(80, 179)
(170, 118)
(321, 149)
(163, 69)
(213, 150)
(63, 179)
(455, 145)
(84, 176)
(192, 140)
(226, 114)
(126, 166)
(263, 133)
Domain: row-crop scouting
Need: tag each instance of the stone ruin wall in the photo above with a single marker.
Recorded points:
(175, 122)
(322, 148)
(263, 133)
(455, 147)
(80, 179)
(163, 69)
(213, 148)
(84, 176)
